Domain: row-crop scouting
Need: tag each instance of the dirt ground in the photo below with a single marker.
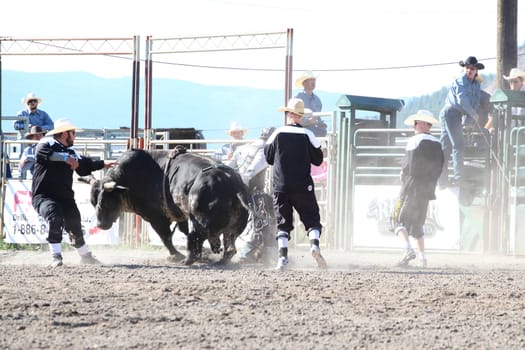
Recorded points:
(137, 300)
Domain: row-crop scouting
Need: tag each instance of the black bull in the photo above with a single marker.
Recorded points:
(204, 197)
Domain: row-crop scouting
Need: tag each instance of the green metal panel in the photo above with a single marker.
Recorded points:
(341, 180)
(378, 104)
(505, 178)
(514, 98)
(348, 106)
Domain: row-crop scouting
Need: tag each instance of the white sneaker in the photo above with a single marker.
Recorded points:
(281, 263)
(410, 255)
(57, 260)
(316, 253)
(89, 259)
(423, 262)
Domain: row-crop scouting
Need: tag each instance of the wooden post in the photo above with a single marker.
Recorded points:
(507, 43)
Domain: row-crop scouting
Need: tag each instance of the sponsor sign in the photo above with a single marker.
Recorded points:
(22, 224)
(373, 209)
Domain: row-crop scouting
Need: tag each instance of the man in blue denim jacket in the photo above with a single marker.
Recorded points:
(463, 98)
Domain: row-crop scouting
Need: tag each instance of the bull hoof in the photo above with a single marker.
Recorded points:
(224, 261)
(175, 258)
(190, 260)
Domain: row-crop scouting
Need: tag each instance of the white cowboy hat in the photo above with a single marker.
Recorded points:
(295, 105)
(515, 73)
(234, 126)
(31, 96)
(422, 115)
(62, 125)
(306, 75)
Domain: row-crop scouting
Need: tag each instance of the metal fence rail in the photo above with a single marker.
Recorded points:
(109, 144)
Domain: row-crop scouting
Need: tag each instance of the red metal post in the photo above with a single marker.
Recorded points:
(288, 68)
(148, 78)
(135, 91)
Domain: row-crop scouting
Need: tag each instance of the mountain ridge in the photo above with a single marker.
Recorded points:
(94, 102)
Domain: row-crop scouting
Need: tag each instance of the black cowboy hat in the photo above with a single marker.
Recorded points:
(35, 130)
(472, 61)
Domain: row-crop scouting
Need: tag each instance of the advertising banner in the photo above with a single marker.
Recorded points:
(373, 209)
(22, 224)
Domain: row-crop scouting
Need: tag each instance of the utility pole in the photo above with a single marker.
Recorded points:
(507, 51)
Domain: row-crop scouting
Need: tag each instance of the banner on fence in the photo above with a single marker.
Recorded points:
(23, 225)
(373, 209)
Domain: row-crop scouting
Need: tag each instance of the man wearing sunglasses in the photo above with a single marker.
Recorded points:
(35, 116)
(52, 188)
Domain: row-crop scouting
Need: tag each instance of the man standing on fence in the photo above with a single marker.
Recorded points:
(52, 187)
(34, 115)
(420, 172)
(306, 82)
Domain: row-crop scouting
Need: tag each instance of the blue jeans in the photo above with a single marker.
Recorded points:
(452, 142)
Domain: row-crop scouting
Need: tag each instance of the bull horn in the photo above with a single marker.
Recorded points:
(111, 185)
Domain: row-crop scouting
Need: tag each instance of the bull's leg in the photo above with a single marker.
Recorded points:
(229, 248)
(193, 243)
(161, 225)
(215, 244)
(194, 247)
(183, 227)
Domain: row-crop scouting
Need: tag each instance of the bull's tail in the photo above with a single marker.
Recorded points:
(174, 212)
(243, 194)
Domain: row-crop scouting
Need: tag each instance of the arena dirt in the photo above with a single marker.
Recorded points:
(137, 300)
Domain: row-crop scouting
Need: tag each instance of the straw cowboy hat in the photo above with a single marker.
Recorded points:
(472, 61)
(35, 130)
(306, 75)
(423, 116)
(31, 96)
(62, 125)
(234, 126)
(515, 73)
(295, 105)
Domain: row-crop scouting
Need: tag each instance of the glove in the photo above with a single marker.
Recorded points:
(19, 125)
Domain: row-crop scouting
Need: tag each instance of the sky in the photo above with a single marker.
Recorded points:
(348, 44)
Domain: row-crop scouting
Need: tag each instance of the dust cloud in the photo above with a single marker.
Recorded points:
(138, 299)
